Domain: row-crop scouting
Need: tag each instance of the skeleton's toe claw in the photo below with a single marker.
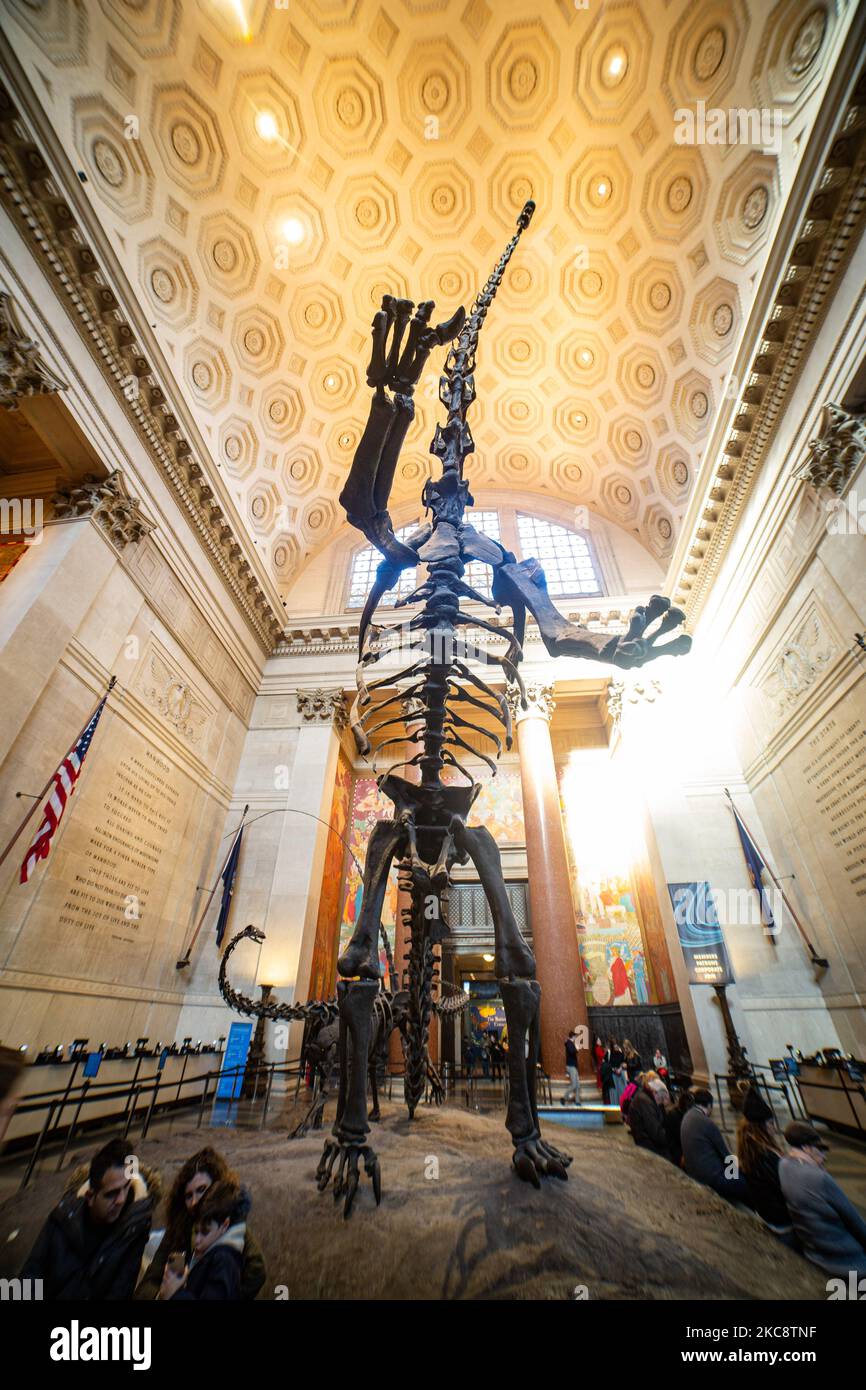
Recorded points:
(525, 1168)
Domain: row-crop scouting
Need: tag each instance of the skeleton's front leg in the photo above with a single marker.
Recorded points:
(521, 996)
(348, 1147)
(361, 956)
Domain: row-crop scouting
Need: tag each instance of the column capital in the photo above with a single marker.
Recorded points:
(22, 371)
(111, 505)
(837, 451)
(540, 703)
(323, 707)
(620, 693)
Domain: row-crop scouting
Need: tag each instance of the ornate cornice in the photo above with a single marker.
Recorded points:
(22, 371)
(620, 692)
(820, 244)
(331, 636)
(33, 198)
(110, 504)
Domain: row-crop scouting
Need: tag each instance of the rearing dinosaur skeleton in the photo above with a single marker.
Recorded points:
(427, 704)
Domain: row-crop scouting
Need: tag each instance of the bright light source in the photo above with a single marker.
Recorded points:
(601, 188)
(293, 231)
(615, 64)
(330, 382)
(489, 959)
(266, 125)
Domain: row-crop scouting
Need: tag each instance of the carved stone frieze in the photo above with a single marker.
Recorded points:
(22, 371)
(837, 450)
(164, 686)
(111, 505)
(799, 662)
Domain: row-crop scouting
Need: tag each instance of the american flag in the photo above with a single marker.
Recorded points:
(64, 781)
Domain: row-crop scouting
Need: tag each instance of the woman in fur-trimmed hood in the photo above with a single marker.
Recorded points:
(92, 1242)
(219, 1231)
(196, 1176)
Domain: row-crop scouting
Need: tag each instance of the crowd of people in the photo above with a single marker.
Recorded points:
(781, 1177)
(485, 1052)
(93, 1244)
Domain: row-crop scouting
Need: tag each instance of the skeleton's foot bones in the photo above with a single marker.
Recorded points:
(348, 1174)
(534, 1158)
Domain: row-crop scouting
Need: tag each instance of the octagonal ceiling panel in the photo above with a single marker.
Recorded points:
(284, 166)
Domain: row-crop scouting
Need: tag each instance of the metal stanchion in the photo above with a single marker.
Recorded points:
(39, 1142)
(85, 1086)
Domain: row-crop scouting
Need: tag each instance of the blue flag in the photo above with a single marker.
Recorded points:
(756, 866)
(228, 877)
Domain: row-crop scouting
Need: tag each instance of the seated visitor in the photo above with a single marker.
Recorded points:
(11, 1076)
(91, 1245)
(646, 1115)
(705, 1153)
(759, 1152)
(197, 1175)
(673, 1117)
(831, 1231)
(213, 1274)
(660, 1063)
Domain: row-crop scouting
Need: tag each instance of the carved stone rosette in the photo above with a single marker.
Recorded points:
(22, 371)
(110, 504)
(539, 702)
(323, 707)
(836, 452)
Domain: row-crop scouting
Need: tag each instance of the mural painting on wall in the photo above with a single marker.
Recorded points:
(324, 969)
(368, 807)
(613, 953)
(499, 806)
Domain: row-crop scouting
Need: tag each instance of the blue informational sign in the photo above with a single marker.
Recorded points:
(162, 1056)
(700, 934)
(234, 1061)
(91, 1066)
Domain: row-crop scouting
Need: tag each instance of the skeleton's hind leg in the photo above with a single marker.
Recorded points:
(521, 995)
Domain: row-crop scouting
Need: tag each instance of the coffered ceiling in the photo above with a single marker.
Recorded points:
(265, 171)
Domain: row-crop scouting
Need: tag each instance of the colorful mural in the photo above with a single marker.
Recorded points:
(323, 973)
(368, 807)
(613, 953)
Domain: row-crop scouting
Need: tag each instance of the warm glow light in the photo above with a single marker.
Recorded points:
(238, 8)
(488, 958)
(266, 125)
(615, 64)
(585, 356)
(330, 383)
(599, 815)
(293, 231)
(601, 188)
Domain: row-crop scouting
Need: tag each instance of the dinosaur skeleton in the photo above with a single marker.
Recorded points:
(434, 703)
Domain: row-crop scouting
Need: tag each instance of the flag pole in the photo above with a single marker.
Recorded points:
(44, 792)
(815, 958)
(185, 958)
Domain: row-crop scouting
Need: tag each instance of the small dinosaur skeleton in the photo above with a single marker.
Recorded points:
(434, 702)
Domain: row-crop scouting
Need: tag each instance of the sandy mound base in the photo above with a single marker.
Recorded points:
(625, 1225)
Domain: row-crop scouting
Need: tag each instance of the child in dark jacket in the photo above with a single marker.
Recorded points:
(214, 1272)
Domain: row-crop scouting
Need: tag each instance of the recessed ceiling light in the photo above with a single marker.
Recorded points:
(488, 958)
(614, 65)
(585, 357)
(330, 382)
(266, 125)
(293, 231)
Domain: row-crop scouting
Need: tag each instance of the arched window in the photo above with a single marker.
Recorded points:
(567, 556)
(363, 574)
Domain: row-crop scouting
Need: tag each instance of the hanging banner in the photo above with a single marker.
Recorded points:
(700, 934)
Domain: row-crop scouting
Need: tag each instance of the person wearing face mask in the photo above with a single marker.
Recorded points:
(219, 1231)
(831, 1231)
(196, 1177)
(91, 1245)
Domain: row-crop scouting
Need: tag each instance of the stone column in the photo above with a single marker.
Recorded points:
(563, 1002)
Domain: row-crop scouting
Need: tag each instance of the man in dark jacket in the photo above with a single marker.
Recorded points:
(92, 1243)
(705, 1153)
(646, 1122)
